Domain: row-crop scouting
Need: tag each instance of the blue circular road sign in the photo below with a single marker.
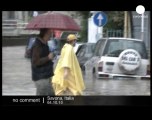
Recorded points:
(100, 19)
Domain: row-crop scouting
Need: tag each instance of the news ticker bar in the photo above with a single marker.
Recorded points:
(76, 100)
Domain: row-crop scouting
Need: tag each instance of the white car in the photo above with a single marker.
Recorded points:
(77, 45)
(119, 57)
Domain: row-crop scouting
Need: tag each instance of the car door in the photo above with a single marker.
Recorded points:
(91, 64)
(81, 53)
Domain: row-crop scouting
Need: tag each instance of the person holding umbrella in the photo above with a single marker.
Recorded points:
(41, 63)
(42, 66)
(67, 79)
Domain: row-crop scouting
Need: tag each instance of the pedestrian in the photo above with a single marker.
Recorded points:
(67, 79)
(53, 45)
(41, 63)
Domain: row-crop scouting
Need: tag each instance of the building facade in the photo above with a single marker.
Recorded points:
(137, 27)
(14, 22)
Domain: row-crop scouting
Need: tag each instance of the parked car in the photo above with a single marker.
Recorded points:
(84, 53)
(120, 57)
(77, 46)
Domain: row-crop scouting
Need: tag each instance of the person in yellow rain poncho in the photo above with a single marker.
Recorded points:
(67, 79)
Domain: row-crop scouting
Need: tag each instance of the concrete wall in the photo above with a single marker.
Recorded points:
(14, 41)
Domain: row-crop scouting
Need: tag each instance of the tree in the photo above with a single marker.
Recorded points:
(115, 20)
(84, 24)
(115, 23)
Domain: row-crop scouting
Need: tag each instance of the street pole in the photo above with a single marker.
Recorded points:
(129, 25)
(125, 24)
(142, 26)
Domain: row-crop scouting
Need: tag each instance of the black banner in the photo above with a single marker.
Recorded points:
(76, 100)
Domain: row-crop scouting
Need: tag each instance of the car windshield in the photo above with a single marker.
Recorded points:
(76, 47)
(115, 47)
(89, 50)
(86, 51)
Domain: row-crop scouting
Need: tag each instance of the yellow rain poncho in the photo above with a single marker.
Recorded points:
(74, 83)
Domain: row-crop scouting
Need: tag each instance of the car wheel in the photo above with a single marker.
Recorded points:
(129, 61)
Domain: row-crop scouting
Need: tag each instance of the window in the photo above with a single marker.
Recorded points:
(99, 47)
(89, 50)
(82, 51)
(115, 47)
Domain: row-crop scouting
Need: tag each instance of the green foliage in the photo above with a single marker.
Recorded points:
(84, 14)
(84, 31)
(115, 20)
(84, 24)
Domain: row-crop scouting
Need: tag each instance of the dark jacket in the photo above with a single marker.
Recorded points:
(42, 67)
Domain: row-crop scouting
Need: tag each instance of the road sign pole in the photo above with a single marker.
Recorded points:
(100, 32)
(142, 26)
(100, 19)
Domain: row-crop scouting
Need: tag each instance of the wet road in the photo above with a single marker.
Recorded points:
(116, 86)
(16, 78)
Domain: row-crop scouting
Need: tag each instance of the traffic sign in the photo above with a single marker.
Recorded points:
(100, 19)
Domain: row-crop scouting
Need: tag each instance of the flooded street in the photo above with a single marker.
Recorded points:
(116, 86)
(16, 72)
(16, 78)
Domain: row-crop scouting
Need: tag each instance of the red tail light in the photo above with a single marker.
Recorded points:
(100, 66)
